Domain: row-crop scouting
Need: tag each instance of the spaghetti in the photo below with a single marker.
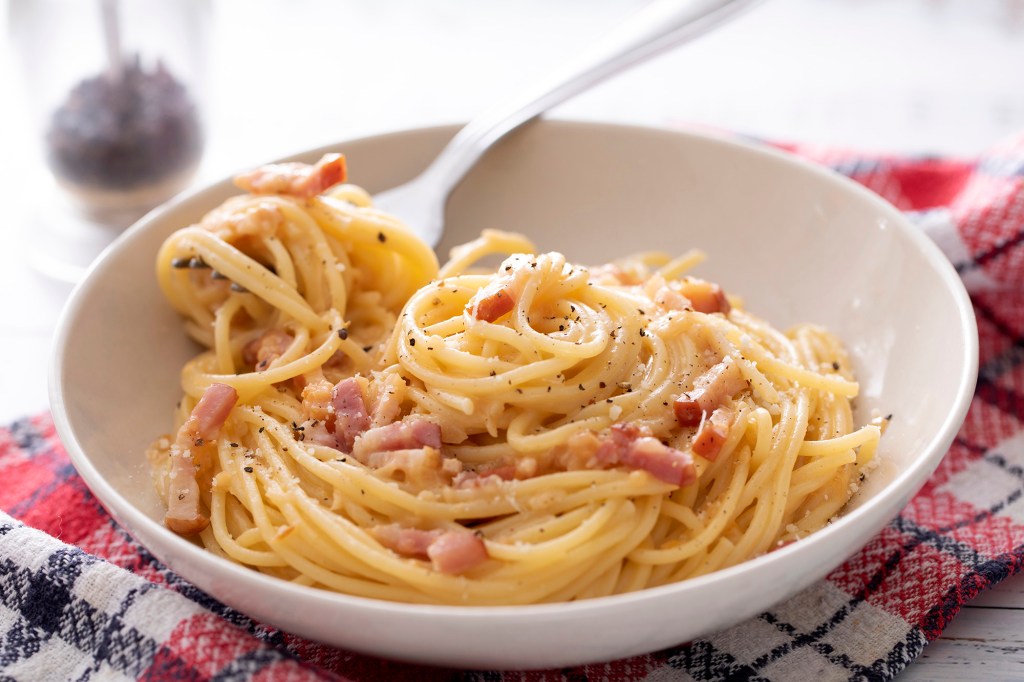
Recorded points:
(364, 421)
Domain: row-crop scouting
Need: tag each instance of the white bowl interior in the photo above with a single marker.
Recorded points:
(796, 242)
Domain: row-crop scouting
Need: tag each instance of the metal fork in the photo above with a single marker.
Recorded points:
(663, 24)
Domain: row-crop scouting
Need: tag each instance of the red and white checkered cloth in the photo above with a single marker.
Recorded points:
(79, 599)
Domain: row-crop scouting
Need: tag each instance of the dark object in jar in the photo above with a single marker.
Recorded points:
(125, 133)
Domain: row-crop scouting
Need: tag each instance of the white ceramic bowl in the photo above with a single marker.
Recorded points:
(799, 243)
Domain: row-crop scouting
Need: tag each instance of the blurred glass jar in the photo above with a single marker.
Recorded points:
(115, 90)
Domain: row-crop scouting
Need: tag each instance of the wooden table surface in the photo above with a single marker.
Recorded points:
(913, 76)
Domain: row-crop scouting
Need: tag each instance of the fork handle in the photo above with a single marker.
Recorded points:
(659, 26)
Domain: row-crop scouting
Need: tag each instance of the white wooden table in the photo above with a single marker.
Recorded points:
(942, 76)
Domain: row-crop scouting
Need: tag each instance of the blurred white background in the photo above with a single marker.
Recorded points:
(909, 76)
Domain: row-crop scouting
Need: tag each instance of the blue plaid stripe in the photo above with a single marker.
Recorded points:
(48, 608)
(46, 599)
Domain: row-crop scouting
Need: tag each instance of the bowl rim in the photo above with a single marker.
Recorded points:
(906, 483)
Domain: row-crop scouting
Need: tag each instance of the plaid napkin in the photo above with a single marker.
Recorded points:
(79, 599)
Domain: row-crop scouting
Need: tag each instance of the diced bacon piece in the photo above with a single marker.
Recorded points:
(499, 296)
(183, 514)
(688, 410)
(424, 432)
(269, 346)
(705, 297)
(350, 416)
(712, 434)
(626, 444)
(410, 542)
(410, 433)
(188, 453)
(456, 552)
(710, 390)
(452, 552)
(661, 461)
(210, 412)
(295, 179)
(613, 448)
(623, 434)
(587, 450)
(494, 300)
